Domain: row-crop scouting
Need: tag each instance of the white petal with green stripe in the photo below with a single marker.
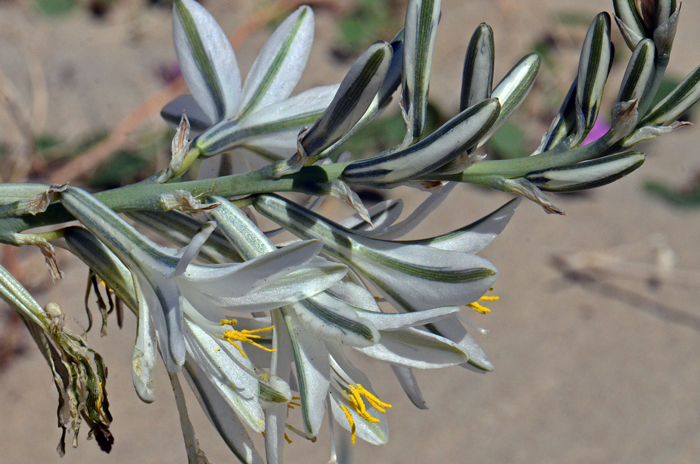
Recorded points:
(587, 174)
(355, 94)
(422, 17)
(293, 113)
(236, 386)
(443, 145)
(312, 369)
(280, 63)
(477, 75)
(206, 59)
(222, 417)
(513, 89)
(334, 320)
(414, 276)
(416, 348)
(593, 69)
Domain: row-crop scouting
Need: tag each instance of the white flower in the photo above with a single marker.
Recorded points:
(162, 275)
(258, 114)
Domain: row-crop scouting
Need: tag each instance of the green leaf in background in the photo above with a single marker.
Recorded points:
(367, 22)
(55, 7)
(681, 197)
(508, 142)
(387, 131)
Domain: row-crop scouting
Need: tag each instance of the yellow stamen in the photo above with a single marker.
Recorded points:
(479, 308)
(354, 397)
(294, 403)
(353, 429)
(289, 440)
(244, 336)
(378, 404)
(263, 434)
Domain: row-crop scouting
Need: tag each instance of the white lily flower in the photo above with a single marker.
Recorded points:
(258, 114)
(162, 271)
(414, 276)
(346, 313)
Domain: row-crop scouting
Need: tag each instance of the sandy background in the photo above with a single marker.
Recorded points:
(594, 373)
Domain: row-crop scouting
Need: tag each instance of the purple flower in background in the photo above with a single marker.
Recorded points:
(599, 129)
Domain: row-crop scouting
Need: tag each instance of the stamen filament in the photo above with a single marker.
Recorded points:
(351, 421)
(300, 433)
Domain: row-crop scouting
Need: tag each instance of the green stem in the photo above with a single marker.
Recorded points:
(145, 195)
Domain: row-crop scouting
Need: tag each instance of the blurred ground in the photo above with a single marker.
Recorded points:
(586, 371)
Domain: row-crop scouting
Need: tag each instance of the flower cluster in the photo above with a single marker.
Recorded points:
(259, 328)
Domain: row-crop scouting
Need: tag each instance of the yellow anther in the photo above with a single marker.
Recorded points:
(294, 403)
(354, 397)
(244, 336)
(216, 350)
(353, 429)
(378, 404)
(479, 308)
(263, 434)
(289, 440)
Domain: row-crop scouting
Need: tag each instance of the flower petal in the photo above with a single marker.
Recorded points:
(395, 321)
(312, 368)
(206, 59)
(410, 385)
(145, 355)
(222, 416)
(292, 114)
(415, 348)
(236, 386)
(476, 236)
(332, 319)
(422, 17)
(279, 66)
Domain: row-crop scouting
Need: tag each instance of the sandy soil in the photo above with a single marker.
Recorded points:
(584, 373)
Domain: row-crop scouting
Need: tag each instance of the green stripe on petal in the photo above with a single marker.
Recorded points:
(206, 59)
(279, 65)
(422, 17)
(442, 146)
